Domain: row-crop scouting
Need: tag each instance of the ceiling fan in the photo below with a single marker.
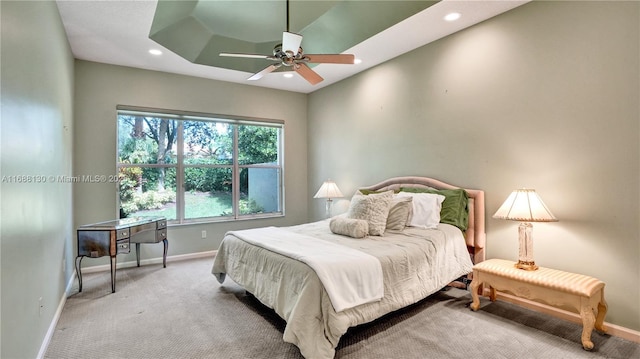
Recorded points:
(290, 54)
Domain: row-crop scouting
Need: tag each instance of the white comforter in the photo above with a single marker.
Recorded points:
(415, 264)
(350, 277)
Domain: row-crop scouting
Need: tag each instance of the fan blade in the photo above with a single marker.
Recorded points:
(331, 59)
(268, 69)
(291, 42)
(307, 73)
(252, 56)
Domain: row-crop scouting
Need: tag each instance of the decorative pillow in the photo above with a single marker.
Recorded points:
(426, 209)
(455, 208)
(373, 208)
(356, 228)
(399, 213)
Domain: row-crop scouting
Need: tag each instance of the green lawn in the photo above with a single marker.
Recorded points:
(197, 205)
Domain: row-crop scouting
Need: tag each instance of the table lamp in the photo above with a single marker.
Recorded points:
(525, 206)
(328, 190)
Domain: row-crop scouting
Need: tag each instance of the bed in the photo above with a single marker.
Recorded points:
(415, 262)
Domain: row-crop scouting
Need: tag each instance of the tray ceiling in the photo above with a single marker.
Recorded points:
(121, 32)
(200, 30)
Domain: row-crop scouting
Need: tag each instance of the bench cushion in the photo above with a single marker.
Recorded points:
(572, 283)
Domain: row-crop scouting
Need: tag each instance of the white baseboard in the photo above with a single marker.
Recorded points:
(180, 257)
(56, 317)
(612, 329)
(107, 267)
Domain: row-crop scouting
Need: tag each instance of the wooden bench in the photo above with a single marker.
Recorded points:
(553, 287)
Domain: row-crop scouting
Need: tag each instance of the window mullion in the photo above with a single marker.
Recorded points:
(236, 175)
(180, 205)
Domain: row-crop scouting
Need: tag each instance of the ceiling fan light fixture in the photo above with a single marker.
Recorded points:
(288, 75)
(155, 52)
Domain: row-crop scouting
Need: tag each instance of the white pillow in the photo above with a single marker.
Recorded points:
(426, 209)
(373, 208)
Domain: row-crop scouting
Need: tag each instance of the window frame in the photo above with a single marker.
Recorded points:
(235, 166)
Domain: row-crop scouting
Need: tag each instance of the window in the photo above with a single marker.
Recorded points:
(194, 168)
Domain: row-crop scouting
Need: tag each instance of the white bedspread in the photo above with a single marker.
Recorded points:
(350, 277)
(415, 263)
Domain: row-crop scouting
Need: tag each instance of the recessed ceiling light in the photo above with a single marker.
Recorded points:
(288, 75)
(155, 52)
(452, 16)
(357, 61)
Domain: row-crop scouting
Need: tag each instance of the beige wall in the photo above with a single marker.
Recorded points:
(545, 96)
(99, 88)
(36, 227)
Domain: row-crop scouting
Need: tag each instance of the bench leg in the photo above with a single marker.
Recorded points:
(475, 283)
(602, 311)
(588, 321)
(492, 293)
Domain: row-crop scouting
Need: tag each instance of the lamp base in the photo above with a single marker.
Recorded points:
(526, 265)
(327, 208)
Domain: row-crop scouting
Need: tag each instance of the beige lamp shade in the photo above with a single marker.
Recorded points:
(329, 189)
(524, 205)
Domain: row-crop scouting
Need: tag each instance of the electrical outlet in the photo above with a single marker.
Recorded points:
(204, 234)
(40, 307)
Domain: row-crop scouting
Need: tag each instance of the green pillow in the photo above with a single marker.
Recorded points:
(455, 208)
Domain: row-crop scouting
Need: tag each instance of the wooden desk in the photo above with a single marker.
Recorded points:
(115, 237)
(556, 288)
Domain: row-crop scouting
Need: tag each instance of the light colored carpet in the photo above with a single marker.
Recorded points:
(182, 312)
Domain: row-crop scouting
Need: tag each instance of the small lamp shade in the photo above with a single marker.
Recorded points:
(328, 190)
(525, 206)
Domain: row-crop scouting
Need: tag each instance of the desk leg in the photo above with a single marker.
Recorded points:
(79, 272)
(164, 255)
(138, 254)
(113, 274)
